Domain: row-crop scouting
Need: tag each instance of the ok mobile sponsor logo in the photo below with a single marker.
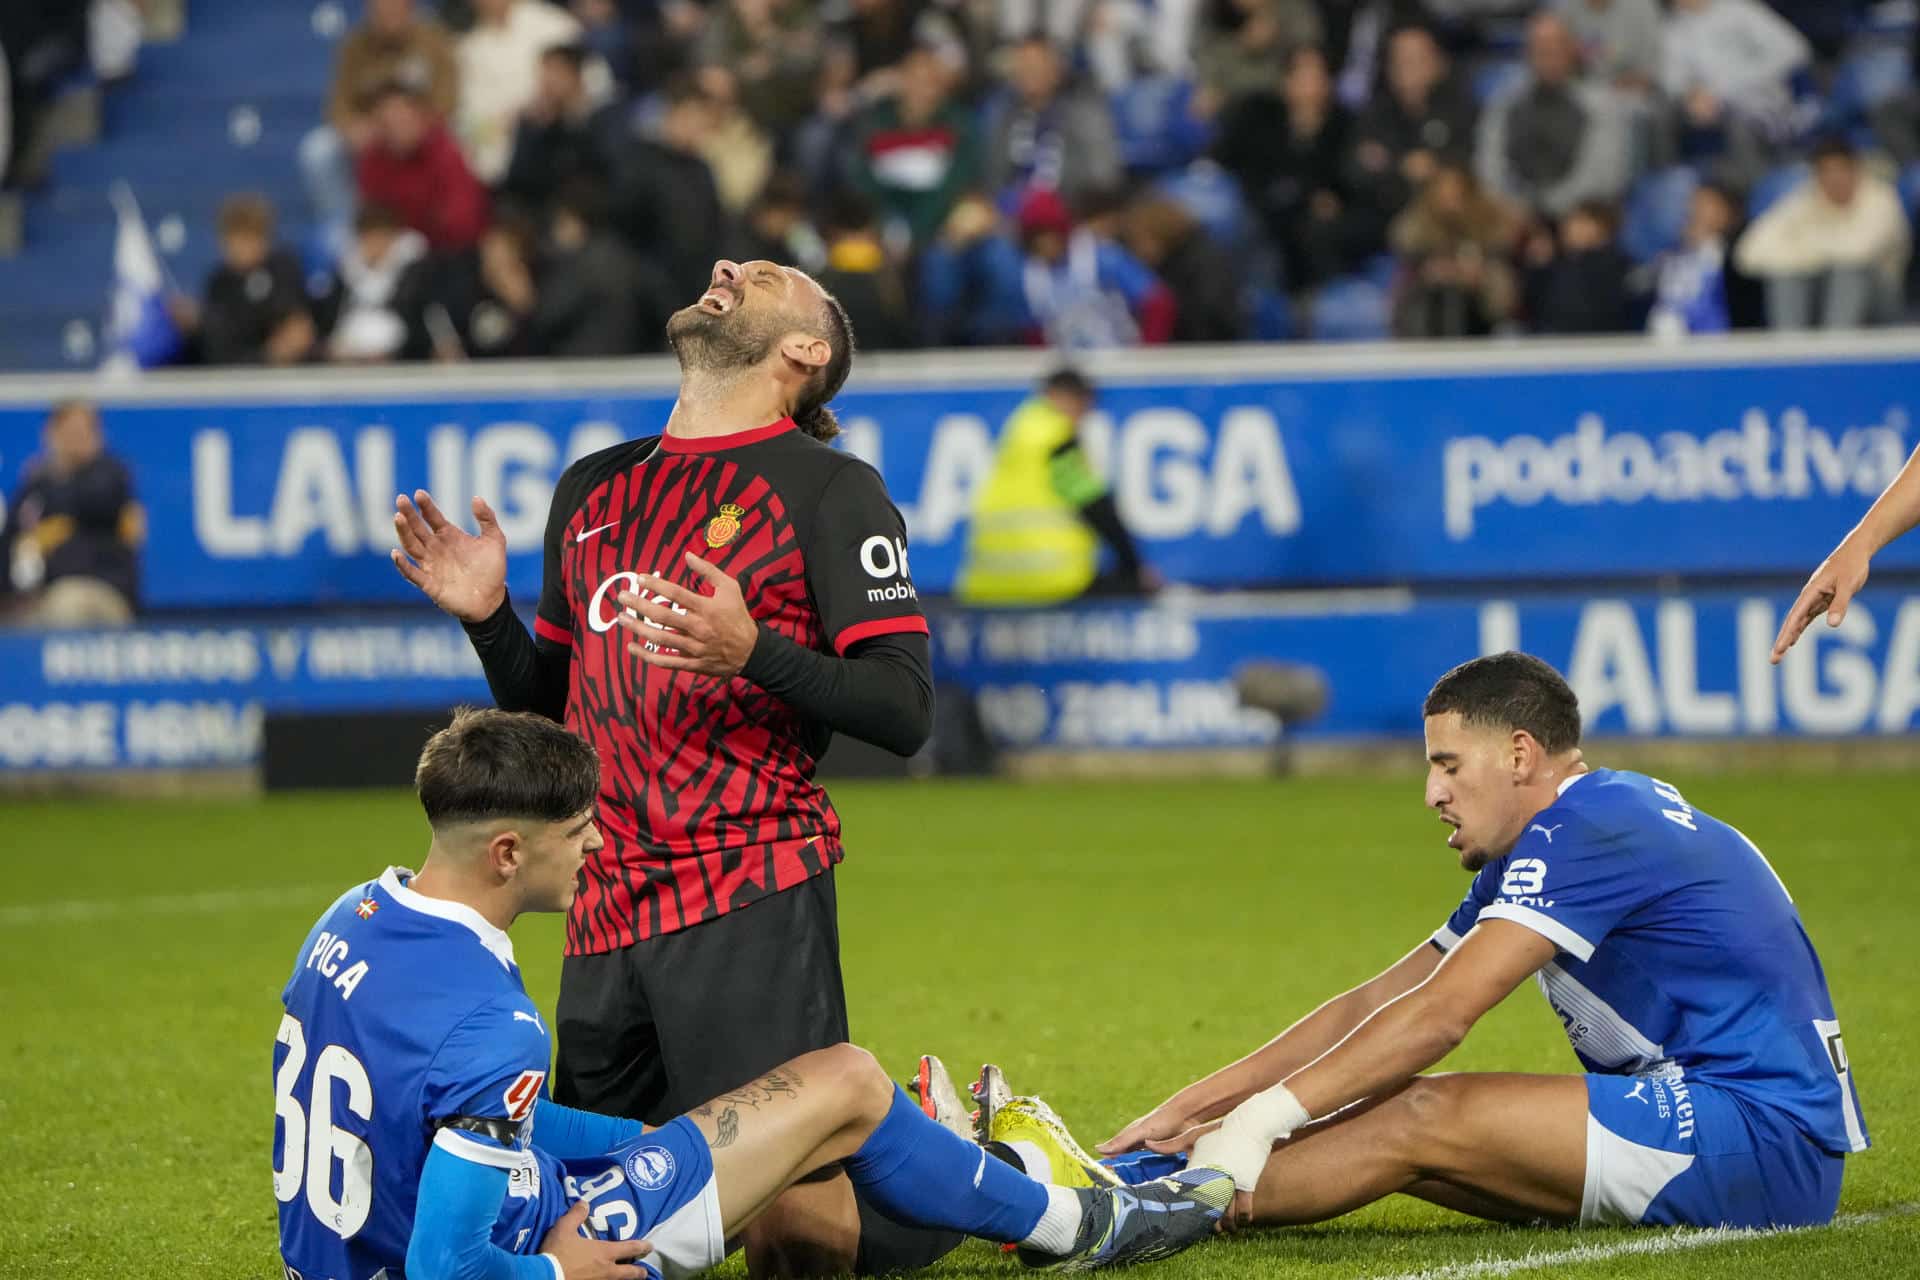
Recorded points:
(1591, 465)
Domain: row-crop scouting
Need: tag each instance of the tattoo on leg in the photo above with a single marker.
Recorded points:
(727, 1128)
(783, 1083)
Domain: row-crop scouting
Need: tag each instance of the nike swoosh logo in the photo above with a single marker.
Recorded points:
(583, 536)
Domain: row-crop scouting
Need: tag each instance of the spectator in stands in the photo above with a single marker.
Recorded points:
(1209, 288)
(1619, 40)
(1557, 138)
(562, 135)
(1827, 24)
(1729, 68)
(1082, 290)
(72, 538)
(500, 74)
(1582, 283)
(1289, 149)
(595, 297)
(1896, 120)
(764, 55)
(372, 309)
(777, 228)
(1424, 118)
(738, 151)
(254, 309)
(1239, 46)
(1356, 37)
(1048, 133)
(1834, 252)
(1455, 242)
(915, 151)
(971, 291)
(44, 41)
(1697, 288)
(414, 167)
(666, 203)
(859, 274)
(482, 299)
(393, 42)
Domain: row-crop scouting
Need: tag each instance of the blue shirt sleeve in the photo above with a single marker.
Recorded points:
(1464, 916)
(452, 1242)
(572, 1134)
(492, 1067)
(1120, 270)
(1570, 881)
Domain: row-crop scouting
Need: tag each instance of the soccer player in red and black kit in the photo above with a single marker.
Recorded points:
(718, 600)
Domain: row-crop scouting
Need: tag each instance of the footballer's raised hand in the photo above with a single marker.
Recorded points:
(1156, 1126)
(683, 630)
(463, 574)
(581, 1258)
(1830, 590)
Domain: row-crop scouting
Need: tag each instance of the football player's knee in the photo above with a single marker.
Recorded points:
(862, 1078)
(1431, 1121)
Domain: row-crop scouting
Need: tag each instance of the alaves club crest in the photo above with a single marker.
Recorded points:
(725, 527)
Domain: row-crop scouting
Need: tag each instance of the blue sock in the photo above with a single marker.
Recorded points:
(916, 1171)
(1137, 1167)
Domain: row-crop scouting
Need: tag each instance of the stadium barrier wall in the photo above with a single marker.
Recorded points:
(1679, 665)
(1236, 467)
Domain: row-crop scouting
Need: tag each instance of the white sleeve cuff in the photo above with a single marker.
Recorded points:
(1445, 938)
(1544, 925)
(559, 1272)
(472, 1150)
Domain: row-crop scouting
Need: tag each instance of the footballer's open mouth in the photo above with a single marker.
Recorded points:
(719, 300)
(1453, 836)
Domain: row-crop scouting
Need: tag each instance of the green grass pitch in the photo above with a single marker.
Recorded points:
(1103, 942)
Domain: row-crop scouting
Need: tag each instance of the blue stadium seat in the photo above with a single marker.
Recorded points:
(1656, 214)
(1212, 196)
(1493, 78)
(1910, 192)
(1865, 79)
(1770, 189)
(1352, 309)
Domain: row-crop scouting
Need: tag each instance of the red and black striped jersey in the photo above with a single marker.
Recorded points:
(707, 795)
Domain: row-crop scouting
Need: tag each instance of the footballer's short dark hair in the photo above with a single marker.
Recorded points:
(491, 764)
(1509, 691)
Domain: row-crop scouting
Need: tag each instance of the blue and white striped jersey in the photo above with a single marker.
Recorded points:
(1678, 948)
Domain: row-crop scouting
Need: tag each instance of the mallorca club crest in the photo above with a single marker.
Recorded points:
(725, 527)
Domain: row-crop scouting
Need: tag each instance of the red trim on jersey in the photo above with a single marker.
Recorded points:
(552, 631)
(714, 444)
(859, 631)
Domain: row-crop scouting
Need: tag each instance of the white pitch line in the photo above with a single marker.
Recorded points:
(87, 910)
(1670, 1242)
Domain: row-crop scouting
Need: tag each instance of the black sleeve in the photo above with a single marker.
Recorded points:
(524, 674)
(1104, 516)
(881, 692)
(856, 558)
(527, 673)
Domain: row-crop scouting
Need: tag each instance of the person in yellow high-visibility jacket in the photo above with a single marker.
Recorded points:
(1038, 524)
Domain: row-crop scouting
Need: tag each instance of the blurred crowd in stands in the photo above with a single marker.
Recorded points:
(519, 177)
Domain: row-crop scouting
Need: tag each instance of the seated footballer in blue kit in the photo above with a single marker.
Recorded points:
(414, 1137)
(1717, 1087)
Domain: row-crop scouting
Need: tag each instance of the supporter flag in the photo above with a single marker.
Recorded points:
(140, 330)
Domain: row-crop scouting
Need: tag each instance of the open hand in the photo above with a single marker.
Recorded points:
(1152, 1127)
(463, 574)
(1830, 590)
(684, 630)
(584, 1258)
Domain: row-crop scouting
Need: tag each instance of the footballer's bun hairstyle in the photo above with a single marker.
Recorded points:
(488, 765)
(811, 413)
(1509, 691)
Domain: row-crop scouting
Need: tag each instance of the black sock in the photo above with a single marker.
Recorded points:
(887, 1246)
(1007, 1155)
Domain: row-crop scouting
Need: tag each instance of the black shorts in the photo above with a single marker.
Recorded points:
(652, 1030)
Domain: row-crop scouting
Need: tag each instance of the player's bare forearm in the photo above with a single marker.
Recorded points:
(1304, 1041)
(1413, 1031)
(1895, 511)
